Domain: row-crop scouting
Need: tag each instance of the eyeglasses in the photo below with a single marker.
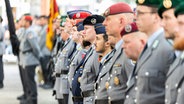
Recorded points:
(139, 13)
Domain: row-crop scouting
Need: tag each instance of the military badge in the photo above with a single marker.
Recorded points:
(107, 12)
(93, 21)
(116, 80)
(107, 85)
(79, 79)
(141, 1)
(128, 28)
(167, 3)
(155, 44)
(78, 15)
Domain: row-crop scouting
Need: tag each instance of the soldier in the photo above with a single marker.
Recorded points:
(2, 48)
(175, 77)
(31, 55)
(134, 41)
(85, 74)
(46, 52)
(166, 12)
(119, 67)
(103, 47)
(149, 78)
(62, 64)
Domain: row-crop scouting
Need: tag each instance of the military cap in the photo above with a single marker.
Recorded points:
(94, 19)
(81, 15)
(80, 26)
(117, 9)
(28, 18)
(130, 28)
(99, 28)
(63, 20)
(150, 3)
(166, 5)
(179, 9)
(73, 12)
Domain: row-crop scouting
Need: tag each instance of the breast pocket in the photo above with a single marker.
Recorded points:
(150, 81)
(118, 77)
(88, 74)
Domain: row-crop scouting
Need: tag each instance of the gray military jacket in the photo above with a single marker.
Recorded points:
(2, 45)
(118, 71)
(90, 71)
(151, 71)
(175, 82)
(29, 48)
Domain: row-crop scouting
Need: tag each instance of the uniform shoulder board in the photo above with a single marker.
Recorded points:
(155, 44)
(182, 55)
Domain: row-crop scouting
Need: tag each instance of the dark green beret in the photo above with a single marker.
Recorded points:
(166, 5)
(150, 3)
(179, 9)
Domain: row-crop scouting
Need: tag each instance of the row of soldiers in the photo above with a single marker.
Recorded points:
(122, 57)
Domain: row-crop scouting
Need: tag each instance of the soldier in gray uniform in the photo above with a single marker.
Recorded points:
(2, 48)
(175, 77)
(149, 85)
(103, 47)
(45, 51)
(119, 67)
(31, 54)
(134, 42)
(62, 64)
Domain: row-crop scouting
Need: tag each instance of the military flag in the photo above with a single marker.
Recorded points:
(54, 12)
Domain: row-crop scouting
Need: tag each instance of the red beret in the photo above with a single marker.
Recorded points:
(117, 9)
(28, 18)
(81, 15)
(130, 28)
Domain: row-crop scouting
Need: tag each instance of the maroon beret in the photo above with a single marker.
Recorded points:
(117, 9)
(129, 29)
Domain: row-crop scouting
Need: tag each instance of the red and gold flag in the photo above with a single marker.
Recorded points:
(54, 12)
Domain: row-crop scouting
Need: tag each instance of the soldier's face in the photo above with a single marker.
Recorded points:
(99, 43)
(89, 33)
(144, 18)
(168, 22)
(75, 35)
(179, 33)
(112, 25)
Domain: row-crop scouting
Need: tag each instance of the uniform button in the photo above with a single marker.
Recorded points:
(176, 103)
(98, 87)
(136, 88)
(127, 96)
(109, 78)
(166, 86)
(176, 85)
(95, 97)
(111, 75)
(72, 79)
(67, 66)
(100, 78)
(109, 98)
(136, 77)
(100, 73)
(179, 90)
(115, 72)
(103, 66)
(147, 73)
(109, 87)
(135, 100)
(166, 100)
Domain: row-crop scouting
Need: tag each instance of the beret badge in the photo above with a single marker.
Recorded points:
(141, 1)
(78, 15)
(93, 21)
(107, 12)
(128, 28)
(167, 3)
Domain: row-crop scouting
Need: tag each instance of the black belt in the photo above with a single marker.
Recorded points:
(27, 51)
(64, 71)
(77, 99)
(117, 102)
(101, 101)
(88, 93)
(58, 74)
